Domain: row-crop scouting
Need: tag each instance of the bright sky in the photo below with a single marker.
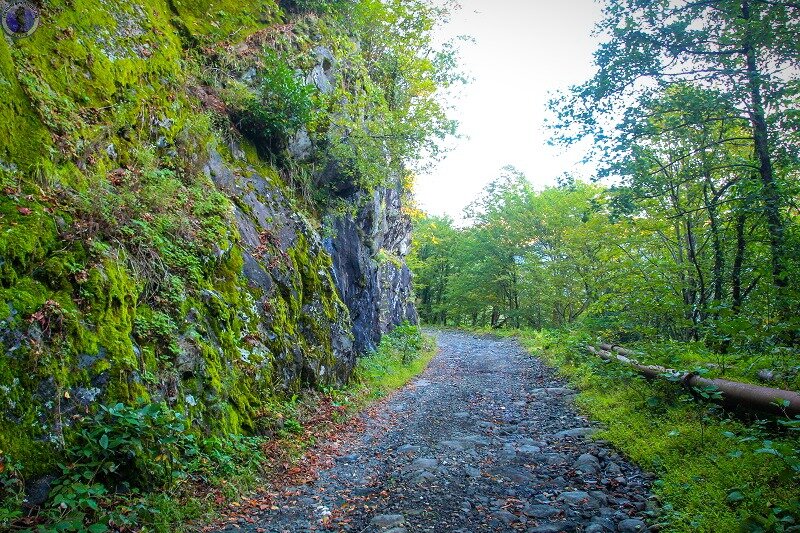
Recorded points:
(523, 50)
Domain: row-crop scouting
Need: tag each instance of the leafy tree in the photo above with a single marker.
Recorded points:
(745, 50)
(393, 118)
(431, 259)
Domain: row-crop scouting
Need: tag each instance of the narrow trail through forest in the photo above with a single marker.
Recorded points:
(486, 439)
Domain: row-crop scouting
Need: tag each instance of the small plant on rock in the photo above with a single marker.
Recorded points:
(280, 105)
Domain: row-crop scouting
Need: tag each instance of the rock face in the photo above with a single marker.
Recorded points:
(283, 260)
(161, 256)
(368, 253)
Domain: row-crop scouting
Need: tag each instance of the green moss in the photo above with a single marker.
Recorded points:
(25, 139)
(216, 20)
(27, 234)
(36, 455)
(113, 295)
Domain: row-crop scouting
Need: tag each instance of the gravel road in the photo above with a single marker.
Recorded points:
(486, 439)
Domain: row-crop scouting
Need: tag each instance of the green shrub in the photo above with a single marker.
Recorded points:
(407, 340)
(144, 446)
(119, 450)
(123, 466)
(279, 107)
(312, 6)
(401, 355)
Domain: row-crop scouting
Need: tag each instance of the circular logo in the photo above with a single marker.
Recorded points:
(20, 18)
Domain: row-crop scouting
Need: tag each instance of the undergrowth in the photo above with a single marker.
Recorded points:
(717, 471)
(401, 356)
(144, 467)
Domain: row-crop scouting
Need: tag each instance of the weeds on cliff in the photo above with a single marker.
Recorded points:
(156, 328)
(279, 106)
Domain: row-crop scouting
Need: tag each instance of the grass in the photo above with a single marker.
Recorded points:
(385, 370)
(716, 472)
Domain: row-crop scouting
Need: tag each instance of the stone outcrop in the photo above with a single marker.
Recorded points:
(368, 253)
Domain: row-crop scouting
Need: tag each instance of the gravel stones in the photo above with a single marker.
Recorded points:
(424, 463)
(576, 432)
(587, 463)
(541, 511)
(631, 525)
(387, 520)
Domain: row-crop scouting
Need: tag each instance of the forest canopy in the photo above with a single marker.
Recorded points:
(690, 230)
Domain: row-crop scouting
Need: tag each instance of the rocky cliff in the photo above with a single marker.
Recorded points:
(152, 250)
(368, 252)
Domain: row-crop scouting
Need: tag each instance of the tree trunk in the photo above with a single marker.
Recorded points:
(716, 244)
(746, 394)
(738, 261)
(698, 284)
(770, 195)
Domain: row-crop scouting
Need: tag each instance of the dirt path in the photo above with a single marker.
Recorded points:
(484, 440)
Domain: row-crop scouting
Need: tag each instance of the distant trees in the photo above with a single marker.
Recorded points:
(528, 259)
(678, 252)
(693, 115)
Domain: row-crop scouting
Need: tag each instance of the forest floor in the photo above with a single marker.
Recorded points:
(486, 439)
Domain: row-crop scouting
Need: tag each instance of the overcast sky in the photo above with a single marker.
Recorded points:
(524, 49)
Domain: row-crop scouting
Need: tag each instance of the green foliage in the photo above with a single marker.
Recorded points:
(156, 327)
(431, 259)
(401, 355)
(142, 446)
(387, 115)
(313, 6)
(692, 104)
(715, 472)
(280, 105)
(380, 110)
(127, 465)
(120, 447)
(12, 490)
(121, 459)
(528, 258)
(407, 340)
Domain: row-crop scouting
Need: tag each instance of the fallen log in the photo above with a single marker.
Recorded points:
(615, 348)
(745, 394)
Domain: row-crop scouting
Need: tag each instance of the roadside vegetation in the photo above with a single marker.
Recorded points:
(143, 467)
(717, 470)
